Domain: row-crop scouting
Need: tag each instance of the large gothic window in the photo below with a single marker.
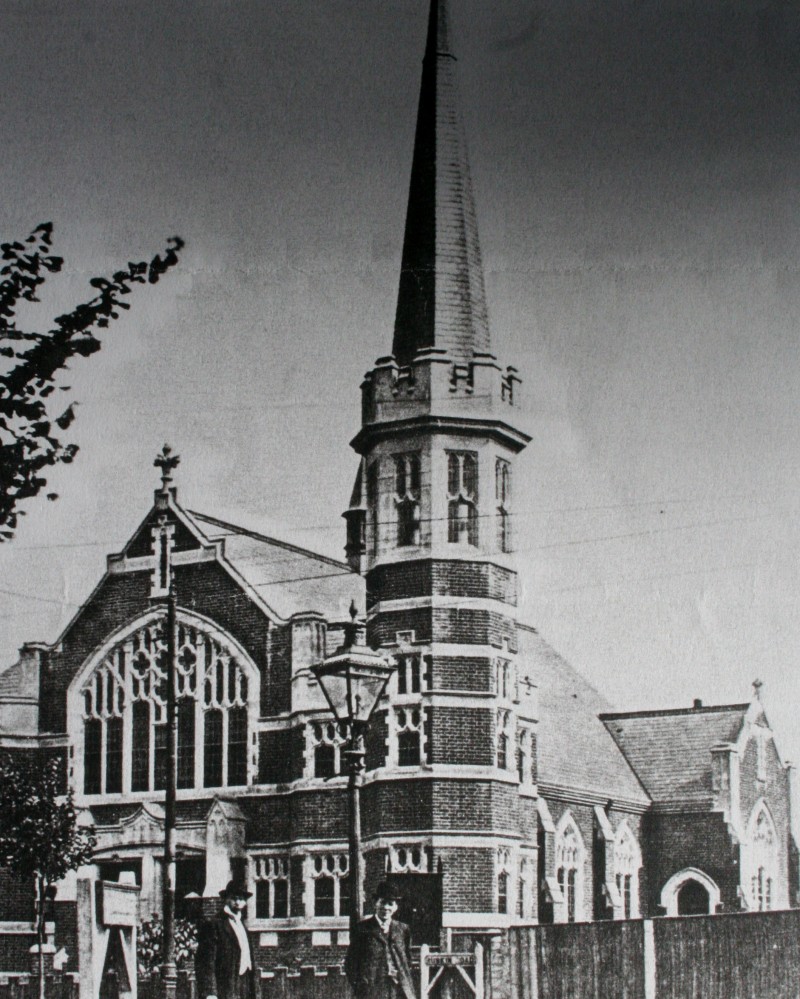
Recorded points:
(124, 714)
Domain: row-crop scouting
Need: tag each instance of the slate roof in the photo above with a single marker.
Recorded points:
(289, 579)
(575, 749)
(671, 750)
(442, 298)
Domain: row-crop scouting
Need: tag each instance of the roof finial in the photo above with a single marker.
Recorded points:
(757, 686)
(167, 462)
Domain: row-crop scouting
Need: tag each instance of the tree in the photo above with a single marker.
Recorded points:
(40, 839)
(29, 417)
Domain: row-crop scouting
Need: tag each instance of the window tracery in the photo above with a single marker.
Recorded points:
(124, 714)
(272, 887)
(330, 884)
(569, 867)
(407, 497)
(627, 861)
(762, 867)
(325, 742)
(503, 501)
(462, 497)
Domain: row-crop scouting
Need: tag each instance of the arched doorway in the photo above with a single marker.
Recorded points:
(693, 899)
(690, 893)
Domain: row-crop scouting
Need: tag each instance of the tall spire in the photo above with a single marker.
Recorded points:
(442, 300)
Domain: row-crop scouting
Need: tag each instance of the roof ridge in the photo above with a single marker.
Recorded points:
(705, 709)
(270, 541)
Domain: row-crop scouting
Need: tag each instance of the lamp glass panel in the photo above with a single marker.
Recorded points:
(353, 690)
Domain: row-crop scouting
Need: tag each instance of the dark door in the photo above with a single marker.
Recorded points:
(693, 899)
(421, 906)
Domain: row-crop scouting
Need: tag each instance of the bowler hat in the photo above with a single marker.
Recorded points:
(235, 889)
(388, 892)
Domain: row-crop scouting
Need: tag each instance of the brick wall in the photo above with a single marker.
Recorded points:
(397, 804)
(444, 578)
(469, 879)
(461, 673)
(205, 588)
(276, 690)
(275, 752)
(672, 842)
(461, 735)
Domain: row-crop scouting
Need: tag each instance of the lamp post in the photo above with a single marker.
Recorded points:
(353, 680)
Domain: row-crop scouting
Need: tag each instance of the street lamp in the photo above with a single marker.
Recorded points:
(353, 679)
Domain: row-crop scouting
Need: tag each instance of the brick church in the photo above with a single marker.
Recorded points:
(499, 784)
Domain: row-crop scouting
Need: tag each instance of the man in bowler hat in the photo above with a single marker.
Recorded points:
(223, 963)
(378, 963)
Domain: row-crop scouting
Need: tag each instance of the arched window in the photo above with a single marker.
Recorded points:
(123, 701)
(406, 498)
(462, 497)
(504, 872)
(569, 867)
(627, 861)
(760, 870)
(503, 499)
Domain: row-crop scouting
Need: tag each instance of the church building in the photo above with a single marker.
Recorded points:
(499, 784)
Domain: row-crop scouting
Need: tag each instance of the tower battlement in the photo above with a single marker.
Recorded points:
(434, 384)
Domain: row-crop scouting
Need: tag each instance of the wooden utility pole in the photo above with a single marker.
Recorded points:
(167, 461)
(169, 970)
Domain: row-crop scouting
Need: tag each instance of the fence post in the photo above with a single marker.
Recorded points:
(423, 971)
(478, 971)
(649, 960)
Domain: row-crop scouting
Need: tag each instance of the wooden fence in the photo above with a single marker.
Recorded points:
(741, 956)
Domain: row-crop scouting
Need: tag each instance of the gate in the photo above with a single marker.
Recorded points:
(439, 972)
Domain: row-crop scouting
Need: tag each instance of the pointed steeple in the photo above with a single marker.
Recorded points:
(442, 301)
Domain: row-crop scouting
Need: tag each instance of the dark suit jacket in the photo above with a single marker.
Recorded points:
(366, 965)
(216, 962)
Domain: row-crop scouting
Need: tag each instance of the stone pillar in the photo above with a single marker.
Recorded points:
(225, 829)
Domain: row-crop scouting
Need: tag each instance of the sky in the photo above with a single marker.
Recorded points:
(635, 165)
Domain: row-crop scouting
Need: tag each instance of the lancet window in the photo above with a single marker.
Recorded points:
(569, 867)
(406, 498)
(373, 511)
(410, 727)
(503, 500)
(125, 715)
(462, 497)
(627, 861)
(330, 884)
(325, 741)
(504, 735)
(763, 859)
(411, 673)
(504, 872)
(272, 887)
